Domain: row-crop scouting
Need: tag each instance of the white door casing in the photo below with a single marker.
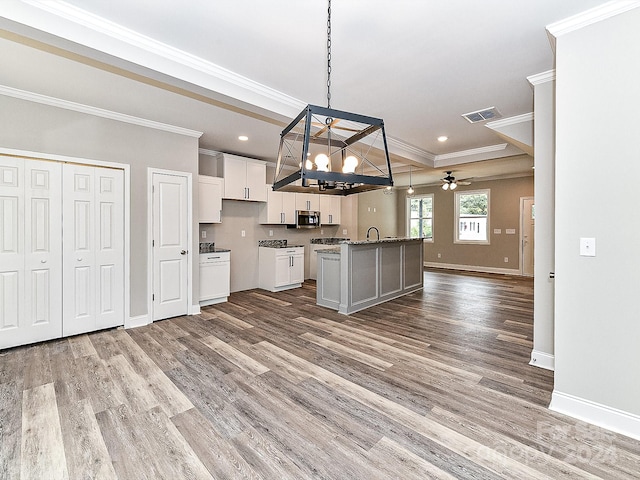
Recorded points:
(170, 245)
(527, 230)
(93, 239)
(30, 251)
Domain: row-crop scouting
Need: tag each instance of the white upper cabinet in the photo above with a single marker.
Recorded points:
(244, 178)
(308, 201)
(330, 209)
(279, 209)
(210, 199)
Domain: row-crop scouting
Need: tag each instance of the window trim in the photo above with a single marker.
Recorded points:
(456, 217)
(408, 215)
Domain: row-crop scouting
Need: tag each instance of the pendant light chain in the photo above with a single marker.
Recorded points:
(329, 55)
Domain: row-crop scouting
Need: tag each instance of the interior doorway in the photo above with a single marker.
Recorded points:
(527, 230)
(170, 242)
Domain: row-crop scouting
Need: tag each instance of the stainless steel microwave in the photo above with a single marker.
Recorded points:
(306, 219)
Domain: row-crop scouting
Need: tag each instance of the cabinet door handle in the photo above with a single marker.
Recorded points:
(330, 218)
(248, 194)
(183, 252)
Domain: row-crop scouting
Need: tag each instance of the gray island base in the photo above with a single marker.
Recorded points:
(357, 275)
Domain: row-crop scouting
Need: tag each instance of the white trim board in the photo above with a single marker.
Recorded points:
(543, 360)
(473, 268)
(601, 415)
(98, 112)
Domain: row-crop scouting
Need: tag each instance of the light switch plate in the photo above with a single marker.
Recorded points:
(497, 231)
(510, 231)
(587, 247)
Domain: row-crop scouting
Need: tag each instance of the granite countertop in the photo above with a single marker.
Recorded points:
(329, 250)
(276, 244)
(383, 240)
(210, 247)
(328, 241)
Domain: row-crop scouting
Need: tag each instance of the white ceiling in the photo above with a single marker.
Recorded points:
(232, 67)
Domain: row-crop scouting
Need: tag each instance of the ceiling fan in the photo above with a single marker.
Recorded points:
(450, 183)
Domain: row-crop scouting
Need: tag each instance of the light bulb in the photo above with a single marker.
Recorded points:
(322, 162)
(453, 186)
(445, 186)
(308, 164)
(350, 164)
(410, 190)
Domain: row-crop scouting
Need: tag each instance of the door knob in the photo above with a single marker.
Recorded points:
(43, 261)
(183, 252)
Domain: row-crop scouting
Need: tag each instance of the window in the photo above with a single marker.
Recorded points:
(472, 217)
(420, 217)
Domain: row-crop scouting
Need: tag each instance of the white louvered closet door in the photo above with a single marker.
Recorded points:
(93, 242)
(30, 251)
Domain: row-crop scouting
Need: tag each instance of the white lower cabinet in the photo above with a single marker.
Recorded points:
(215, 279)
(281, 268)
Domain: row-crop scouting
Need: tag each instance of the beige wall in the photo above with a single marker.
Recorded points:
(36, 127)
(375, 209)
(597, 327)
(504, 214)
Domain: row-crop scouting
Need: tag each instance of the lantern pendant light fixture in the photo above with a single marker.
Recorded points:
(332, 151)
(410, 190)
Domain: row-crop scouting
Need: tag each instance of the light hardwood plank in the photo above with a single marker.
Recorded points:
(351, 353)
(241, 360)
(42, 450)
(85, 451)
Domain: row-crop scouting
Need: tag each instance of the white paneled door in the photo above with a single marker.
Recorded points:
(61, 256)
(30, 251)
(170, 245)
(93, 273)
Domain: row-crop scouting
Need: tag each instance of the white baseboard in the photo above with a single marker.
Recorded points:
(543, 360)
(473, 268)
(138, 321)
(195, 310)
(607, 417)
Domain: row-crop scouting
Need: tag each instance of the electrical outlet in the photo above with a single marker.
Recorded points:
(439, 255)
(243, 233)
(344, 232)
(271, 233)
(506, 259)
(321, 232)
(204, 234)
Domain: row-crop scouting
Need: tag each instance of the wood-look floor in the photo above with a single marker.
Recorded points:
(433, 385)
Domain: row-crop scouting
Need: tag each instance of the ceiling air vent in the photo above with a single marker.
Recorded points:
(490, 113)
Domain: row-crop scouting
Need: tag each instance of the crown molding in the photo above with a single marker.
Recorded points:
(473, 151)
(591, 16)
(98, 112)
(84, 28)
(543, 77)
(505, 122)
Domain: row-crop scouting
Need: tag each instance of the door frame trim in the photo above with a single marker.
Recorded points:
(189, 176)
(127, 209)
(521, 249)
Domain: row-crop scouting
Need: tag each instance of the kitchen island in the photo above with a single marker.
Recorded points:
(359, 274)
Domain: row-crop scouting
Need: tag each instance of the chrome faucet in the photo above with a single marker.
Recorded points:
(377, 231)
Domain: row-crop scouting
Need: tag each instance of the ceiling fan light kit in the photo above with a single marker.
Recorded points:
(332, 151)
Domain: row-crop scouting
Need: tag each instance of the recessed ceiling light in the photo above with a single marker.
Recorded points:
(243, 138)
(443, 138)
